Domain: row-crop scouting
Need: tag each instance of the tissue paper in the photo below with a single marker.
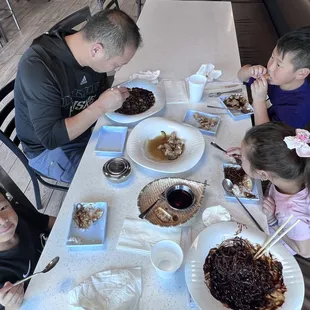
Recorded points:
(215, 214)
(118, 289)
(151, 76)
(208, 71)
(176, 91)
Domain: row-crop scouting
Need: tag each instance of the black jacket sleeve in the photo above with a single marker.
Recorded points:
(42, 95)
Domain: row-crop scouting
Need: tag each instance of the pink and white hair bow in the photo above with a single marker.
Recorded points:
(299, 142)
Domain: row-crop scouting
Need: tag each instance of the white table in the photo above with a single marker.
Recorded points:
(178, 37)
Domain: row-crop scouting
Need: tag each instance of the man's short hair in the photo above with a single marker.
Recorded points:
(296, 42)
(115, 30)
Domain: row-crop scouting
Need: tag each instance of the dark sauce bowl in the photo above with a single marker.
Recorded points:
(180, 197)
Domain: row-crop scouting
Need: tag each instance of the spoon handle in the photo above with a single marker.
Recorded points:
(25, 279)
(251, 216)
(218, 147)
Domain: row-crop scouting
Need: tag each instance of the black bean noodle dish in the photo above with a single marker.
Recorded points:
(239, 281)
(139, 101)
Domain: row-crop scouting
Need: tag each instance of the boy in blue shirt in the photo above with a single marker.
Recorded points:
(284, 80)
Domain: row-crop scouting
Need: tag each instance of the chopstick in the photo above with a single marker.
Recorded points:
(212, 106)
(265, 248)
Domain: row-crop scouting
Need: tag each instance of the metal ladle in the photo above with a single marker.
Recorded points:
(228, 186)
(47, 268)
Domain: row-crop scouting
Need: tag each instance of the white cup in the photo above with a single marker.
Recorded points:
(196, 84)
(166, 257)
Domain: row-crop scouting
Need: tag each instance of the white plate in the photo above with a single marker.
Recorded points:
(213, 236)
(160, 102)
(149, 129)
(189, 119)
(111, 141)
(93, 237)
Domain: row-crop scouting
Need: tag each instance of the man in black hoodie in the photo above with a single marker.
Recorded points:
(61, 89)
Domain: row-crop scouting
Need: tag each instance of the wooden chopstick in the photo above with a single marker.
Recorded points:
(266, 249)
(273, 236)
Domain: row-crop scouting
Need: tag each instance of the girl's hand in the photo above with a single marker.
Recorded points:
(234, 152)
(269, 208)
(11, 297)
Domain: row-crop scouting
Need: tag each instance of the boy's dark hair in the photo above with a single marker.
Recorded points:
(114, 29)
(296, 42)
(267, 151)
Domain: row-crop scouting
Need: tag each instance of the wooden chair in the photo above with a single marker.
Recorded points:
(10, 139)
(72, 20)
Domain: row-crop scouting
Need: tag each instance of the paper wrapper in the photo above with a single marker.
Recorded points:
(215, 214)
(151, 76)
(208, 71)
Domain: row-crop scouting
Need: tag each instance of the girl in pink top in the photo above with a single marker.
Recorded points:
(279, 153)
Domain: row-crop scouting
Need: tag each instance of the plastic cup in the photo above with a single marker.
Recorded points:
(166, 257)
(196, 86)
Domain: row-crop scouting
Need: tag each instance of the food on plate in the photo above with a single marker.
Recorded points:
(165, 216)
(75, 240)
(85, 216)
(243, 184)
(241, 282)
(205, 122)
(166, 146)
(267, 76)
(139, 101)
(237, 102)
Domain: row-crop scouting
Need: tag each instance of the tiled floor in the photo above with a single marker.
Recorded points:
(36, 17)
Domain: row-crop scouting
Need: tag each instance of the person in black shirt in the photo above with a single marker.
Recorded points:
(61, 89)
(22, 236)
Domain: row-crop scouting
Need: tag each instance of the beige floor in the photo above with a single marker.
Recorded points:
(36, 17)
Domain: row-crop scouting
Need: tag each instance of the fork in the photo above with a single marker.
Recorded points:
(217, 94)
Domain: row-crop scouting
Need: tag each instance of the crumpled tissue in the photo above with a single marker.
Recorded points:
(215, 214)
(151, 76)
(118, 289)
(208, 71)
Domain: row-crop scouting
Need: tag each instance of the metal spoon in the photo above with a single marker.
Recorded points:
(238, 160)
(228, 186)
(47, 268)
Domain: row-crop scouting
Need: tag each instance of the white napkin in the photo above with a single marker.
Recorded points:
(139, 236)
(176, 91)
(151, 76)
(118, 289)
(215, 214)
(208, 71)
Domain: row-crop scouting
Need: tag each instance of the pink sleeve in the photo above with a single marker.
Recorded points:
(301, 231)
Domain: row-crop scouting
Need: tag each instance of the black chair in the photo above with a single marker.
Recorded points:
(72, 20)
(10, 186)
(10, 139)
(108, 5)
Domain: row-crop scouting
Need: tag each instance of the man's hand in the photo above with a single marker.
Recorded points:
(257, 72)
(259, 91)
(269, 208)
(113, 98)
(11, 297)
